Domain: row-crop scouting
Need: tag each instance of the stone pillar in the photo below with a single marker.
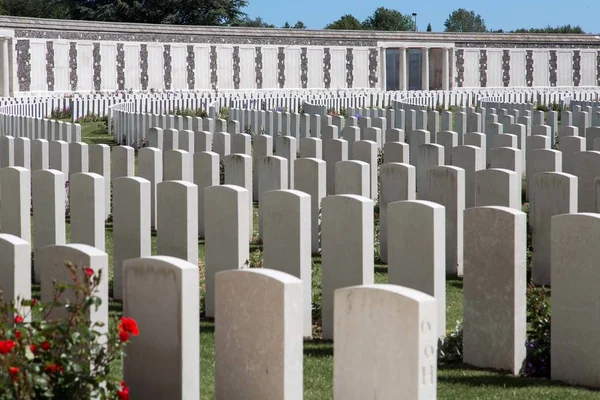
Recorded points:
(445, 69)
(425, 69)
(403, 69)
(5, 69)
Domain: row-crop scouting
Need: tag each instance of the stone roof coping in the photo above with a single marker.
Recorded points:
(130, 28)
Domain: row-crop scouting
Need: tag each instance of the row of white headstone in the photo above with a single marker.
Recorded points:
(259, 325)
(494, 259)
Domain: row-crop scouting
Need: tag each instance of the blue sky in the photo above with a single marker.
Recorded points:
(504, 14)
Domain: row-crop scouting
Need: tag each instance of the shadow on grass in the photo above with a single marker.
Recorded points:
(207, 325)
(318, 348)
(381, 270)
(456, 283)
(461, 374)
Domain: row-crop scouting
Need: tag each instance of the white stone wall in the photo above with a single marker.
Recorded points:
(247, 53)
(541, 63)
(494, 68)
(517, 68)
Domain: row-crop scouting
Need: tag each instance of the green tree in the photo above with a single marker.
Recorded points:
(549, 29)
(346, 22)
(462, 20)
(384, 19)
(298, 25)
(247, 22)
(180, 12)
(429, 29)
(33, 8)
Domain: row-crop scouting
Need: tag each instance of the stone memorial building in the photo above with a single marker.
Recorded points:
(41, 56)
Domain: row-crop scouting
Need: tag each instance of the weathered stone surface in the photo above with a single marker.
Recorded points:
(309, 177)
(347, 254)
(258, 335)
(417, 254)
(575, 296)
(86, 199)
(287, 242)
(382, 314)
(397, 183)
(15, 272)
(446, 186)
(552, 193)
(131, 225)
(177, 234)
(226, 234)
(171, 285)
(494, 288)
(498, 187)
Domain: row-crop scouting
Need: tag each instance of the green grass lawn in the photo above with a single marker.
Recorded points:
(454, 382)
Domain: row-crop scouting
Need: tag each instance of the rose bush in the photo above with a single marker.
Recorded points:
(67, 358)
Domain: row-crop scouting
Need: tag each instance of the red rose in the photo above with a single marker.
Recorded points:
(13, 371)
(6, 346)
(18, 319)
(33, 348)
(124, 392)
(52, 368)
(129, 325)
(33, 302)
(124, 336)
(18, 334)
(46, 346)
(88, 271)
